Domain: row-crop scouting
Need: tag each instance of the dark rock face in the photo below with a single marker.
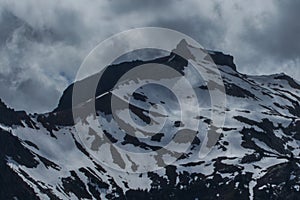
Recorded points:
(271, 185)
(222, 59)
(11, 117)
(237, 91)
(11, 183)
(110, 77)
(291, 81)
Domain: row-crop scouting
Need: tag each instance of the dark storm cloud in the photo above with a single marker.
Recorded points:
(126, 6)
(271, 40)
(67, 27)
(32, 61)
(39, 92)
(207, 32)
(8, 23)
(279, 34)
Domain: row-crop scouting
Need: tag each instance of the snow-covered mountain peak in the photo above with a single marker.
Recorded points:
(256, 156)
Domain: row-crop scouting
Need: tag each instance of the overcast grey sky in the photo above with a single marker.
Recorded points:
(42, 43)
